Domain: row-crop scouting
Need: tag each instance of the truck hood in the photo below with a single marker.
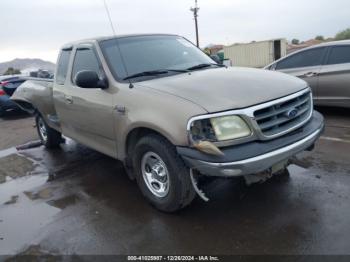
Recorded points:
(223, 89)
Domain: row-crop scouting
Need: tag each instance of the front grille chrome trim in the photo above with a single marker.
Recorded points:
(248, 115)
(303, 115)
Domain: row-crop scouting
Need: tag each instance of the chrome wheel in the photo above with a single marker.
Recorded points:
(42, 129)
(155, 174)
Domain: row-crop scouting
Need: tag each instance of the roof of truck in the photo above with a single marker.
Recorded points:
(102, 38)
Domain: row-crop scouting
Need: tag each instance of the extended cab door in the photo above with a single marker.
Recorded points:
(334, 77)
(86, 115)
(305, 65)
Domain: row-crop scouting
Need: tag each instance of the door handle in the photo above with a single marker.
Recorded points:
(69, 99)
(310, 74)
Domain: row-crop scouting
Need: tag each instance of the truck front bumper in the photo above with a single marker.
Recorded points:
(257, 156)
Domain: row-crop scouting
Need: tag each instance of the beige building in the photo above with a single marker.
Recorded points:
(256, 54)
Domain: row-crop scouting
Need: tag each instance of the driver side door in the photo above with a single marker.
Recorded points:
(86, 114)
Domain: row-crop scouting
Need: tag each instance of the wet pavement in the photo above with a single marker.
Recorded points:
(75, 200)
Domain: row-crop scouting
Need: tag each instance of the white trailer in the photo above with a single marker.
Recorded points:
(256, 54)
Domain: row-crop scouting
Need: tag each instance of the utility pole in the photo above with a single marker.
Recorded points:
(195, 15)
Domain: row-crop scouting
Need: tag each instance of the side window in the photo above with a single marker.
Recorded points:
(312, 57)
(62, 67)
(339, 55)
(85, 59)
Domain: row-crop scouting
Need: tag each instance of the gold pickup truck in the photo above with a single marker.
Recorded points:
(171, 114)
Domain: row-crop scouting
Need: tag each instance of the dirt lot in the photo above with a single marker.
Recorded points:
(77, 201)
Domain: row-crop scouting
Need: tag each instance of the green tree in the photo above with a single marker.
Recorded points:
(295, 41)
(342, 35)
(319, 37)
(12, 71)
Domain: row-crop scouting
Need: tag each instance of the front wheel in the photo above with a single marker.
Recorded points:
(49, 137)
(161, 174)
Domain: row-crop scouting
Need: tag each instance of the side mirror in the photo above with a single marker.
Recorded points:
(89, 79)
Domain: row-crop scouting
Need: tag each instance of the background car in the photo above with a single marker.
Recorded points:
(326, 68)
(8, 86)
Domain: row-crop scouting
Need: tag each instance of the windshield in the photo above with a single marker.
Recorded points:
(150, 53)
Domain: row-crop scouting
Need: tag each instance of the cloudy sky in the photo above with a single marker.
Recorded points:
(37, 28)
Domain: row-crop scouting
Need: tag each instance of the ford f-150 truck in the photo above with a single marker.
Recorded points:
(171, 114)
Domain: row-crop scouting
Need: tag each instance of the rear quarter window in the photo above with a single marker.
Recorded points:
(62, 66)
(339, 55)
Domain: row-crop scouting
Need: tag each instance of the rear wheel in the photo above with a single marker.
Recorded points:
(49, 137)
(161, 174)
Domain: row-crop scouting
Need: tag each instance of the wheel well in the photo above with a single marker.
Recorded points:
(132, 139)
(26, 106)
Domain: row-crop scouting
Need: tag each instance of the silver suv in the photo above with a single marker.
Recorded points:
(326, 68)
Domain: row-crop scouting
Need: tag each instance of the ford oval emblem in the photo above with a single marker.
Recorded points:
(292, 113)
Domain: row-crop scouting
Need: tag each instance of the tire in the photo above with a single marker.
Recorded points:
(129, 171)
(49, 137)
(163, 157)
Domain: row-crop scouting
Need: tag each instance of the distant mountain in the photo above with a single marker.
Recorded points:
(27, 64)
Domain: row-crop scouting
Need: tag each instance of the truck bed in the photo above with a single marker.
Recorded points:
(36, 95)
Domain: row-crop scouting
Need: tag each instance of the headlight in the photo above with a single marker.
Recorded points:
(229, 127)
(219, 129)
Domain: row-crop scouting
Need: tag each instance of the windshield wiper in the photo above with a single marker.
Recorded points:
(177, 70)
(154, 72)
(199, 66)
(146, 73)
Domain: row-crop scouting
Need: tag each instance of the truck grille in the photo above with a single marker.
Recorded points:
(279, 118)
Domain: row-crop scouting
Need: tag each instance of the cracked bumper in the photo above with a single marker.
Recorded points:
(257, 156)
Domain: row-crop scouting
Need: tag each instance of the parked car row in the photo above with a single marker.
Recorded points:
(326, 68)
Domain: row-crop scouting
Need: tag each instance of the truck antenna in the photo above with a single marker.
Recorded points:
(109, 16)
(117, 43)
